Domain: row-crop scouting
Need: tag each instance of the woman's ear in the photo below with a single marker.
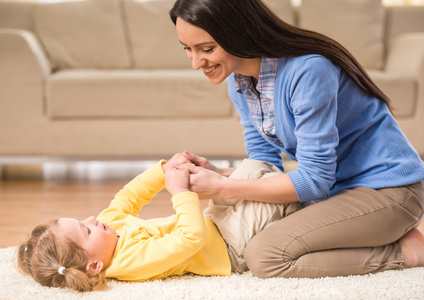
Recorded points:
(94, 267)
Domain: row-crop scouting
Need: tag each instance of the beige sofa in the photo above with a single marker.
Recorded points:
(109, 79)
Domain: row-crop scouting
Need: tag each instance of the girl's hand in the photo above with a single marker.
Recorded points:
(208, 184)
(175, 160)
(177, 180)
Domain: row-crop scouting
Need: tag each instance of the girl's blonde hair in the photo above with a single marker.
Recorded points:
(44, 253)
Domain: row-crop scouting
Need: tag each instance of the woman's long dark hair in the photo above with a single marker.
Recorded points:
(249, 29)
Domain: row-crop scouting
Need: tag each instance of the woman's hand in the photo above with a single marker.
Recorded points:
(200, 161)
(206, 164)
(208, 184)
(177, 180)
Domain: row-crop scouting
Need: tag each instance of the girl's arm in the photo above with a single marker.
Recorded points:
(150, 256)
(143, 188)
(138, 192)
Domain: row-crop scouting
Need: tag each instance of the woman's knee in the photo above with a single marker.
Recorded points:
(271, 254)
(255, 258)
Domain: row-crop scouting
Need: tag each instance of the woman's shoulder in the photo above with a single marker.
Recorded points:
(306, 67)
(305, 62)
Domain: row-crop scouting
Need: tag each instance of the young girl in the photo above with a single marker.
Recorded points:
(301, 93)
(81, 254)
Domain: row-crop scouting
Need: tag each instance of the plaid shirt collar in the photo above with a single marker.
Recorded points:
(266, 80)
(261, 105)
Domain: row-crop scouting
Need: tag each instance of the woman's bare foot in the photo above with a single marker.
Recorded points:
(412, 245)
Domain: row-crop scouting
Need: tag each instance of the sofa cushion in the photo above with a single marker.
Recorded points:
(82, 34)
(401, 90)
(403, 19)
(357, 24)
(155, 45)
(134, 93)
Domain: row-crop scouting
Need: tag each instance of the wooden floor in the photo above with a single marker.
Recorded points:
(25, 204)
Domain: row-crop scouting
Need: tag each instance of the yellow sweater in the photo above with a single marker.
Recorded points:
(149, 249)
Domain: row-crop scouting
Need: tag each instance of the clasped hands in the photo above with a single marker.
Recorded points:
(189, 172)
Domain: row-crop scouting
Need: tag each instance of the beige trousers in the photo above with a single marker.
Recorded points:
(239, 220)
(354, 232)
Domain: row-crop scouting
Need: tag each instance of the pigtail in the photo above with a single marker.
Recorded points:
(71, 278)
(79, 280)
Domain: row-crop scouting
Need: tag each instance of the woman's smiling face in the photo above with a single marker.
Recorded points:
(205, 53)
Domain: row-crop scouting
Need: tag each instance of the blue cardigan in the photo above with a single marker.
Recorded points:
(340, 136)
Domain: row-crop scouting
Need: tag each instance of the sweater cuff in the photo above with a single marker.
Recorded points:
(302, 186)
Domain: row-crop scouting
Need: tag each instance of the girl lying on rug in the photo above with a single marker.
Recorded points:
(80, 255)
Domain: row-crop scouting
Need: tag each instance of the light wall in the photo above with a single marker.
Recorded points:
(403, 2)
(295, 2)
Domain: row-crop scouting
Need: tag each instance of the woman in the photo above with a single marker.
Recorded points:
(302, 93)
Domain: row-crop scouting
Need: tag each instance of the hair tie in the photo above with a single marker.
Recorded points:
(60, 270)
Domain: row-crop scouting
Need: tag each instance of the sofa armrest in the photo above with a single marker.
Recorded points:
(22, 45)
(406, 58)
(406, 55)
(23, 68)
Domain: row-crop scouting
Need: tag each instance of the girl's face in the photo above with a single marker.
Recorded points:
(97, 239)
(216, 63)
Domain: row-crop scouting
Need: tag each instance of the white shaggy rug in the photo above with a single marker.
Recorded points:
(406, 284)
